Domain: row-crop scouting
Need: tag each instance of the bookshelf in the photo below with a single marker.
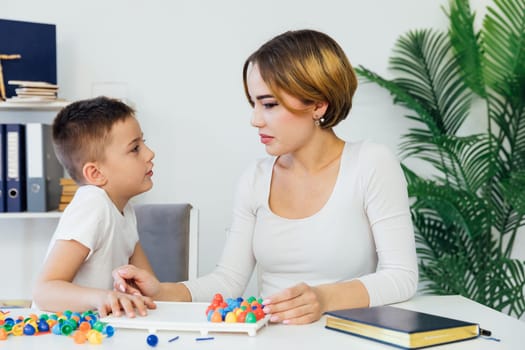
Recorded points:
(26, 234)
(11, 112)
(30, 215)
(29, 112)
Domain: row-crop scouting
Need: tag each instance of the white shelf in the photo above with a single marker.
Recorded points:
(41, 106)
(31, 215)
(28, 113)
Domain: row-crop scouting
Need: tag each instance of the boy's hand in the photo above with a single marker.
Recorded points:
(132, 280)
(116, 302)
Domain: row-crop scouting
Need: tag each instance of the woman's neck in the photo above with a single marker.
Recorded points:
(315, 156)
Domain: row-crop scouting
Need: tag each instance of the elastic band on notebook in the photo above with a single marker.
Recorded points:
(486, 334)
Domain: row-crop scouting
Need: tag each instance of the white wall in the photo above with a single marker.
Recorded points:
(182, 60)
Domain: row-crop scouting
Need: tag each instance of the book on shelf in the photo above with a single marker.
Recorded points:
(62, 206)
(66, 198)
(69, 187)
(33, 91)
(402, 328)
(65, 181)
(33, 84)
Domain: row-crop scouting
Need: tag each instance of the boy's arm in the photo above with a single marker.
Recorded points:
(131, 279)
(140, 259)
(169, 291)
(54, 290)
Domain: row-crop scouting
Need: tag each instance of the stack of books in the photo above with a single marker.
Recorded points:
(34, 91)
(69, 187)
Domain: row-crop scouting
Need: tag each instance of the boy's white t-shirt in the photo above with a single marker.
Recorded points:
(94, 221)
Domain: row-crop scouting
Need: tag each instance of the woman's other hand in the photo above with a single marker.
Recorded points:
(299, 304)
(132, 280)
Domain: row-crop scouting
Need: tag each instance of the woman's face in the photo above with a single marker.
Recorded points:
(281, 130)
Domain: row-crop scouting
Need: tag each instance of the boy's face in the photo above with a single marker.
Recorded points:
(128, 163)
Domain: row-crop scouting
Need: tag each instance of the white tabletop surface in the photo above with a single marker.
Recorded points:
(313, 336)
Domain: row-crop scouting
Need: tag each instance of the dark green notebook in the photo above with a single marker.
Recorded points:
(399, 327)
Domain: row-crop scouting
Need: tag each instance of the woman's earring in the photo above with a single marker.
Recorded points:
(319, 122)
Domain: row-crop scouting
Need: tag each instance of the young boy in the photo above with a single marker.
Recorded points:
(100, 143)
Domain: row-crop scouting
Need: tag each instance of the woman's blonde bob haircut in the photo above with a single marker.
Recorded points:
(309, 66)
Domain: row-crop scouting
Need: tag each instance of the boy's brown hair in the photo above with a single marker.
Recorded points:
(81, 131)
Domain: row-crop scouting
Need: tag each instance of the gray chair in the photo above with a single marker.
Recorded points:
(169, 236)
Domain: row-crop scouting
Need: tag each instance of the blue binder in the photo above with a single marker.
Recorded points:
(43, 169)
(2, 169)
(16, 167)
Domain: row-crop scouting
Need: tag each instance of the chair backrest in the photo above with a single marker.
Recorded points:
(169, 236)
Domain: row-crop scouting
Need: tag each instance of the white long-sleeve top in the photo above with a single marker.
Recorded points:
(364, 231)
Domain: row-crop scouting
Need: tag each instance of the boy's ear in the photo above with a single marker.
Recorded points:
(93, 175)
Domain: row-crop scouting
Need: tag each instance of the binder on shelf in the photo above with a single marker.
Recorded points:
(43, 169)
(16, 167)
(2, 170)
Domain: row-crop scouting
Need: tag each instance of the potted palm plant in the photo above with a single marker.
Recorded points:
(468, 212)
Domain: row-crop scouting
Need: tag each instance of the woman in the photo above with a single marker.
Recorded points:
(326, 221)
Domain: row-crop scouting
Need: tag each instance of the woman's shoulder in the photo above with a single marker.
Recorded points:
(264, 162)
(370, 152)
(257, 175)
(259, 166)
(370, 148)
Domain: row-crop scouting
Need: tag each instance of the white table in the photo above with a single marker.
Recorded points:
(312, 336)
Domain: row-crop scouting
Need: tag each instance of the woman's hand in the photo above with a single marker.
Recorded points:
(115, 302)
(299, 304)
(132, 280)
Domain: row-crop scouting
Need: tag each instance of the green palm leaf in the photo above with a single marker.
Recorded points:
(465, 42)
(455, 207)
(467, 215)
(400, 96)
(430, 75)
(504, 47)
